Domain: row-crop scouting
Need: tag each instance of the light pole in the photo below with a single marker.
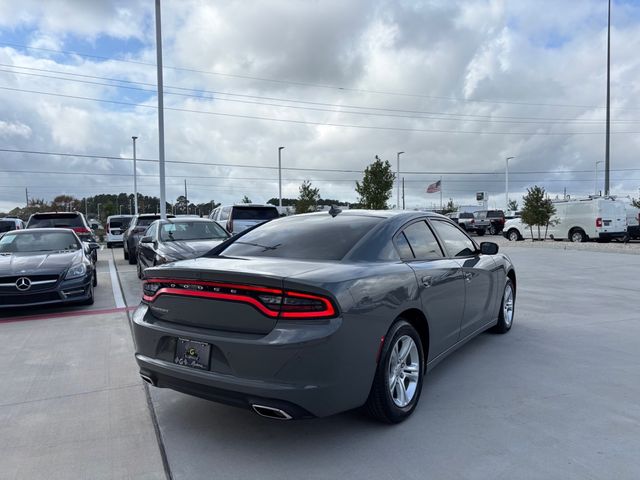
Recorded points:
(595, 182)
(280, 176)
(606, 153)
(506, 183)
(135, 178)
(99, 211)
(398, 178)
(163, 201)
(120, 207)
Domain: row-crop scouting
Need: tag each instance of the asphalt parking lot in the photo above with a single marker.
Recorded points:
(555, 398)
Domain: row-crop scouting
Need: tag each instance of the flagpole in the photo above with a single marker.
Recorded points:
(440, 193)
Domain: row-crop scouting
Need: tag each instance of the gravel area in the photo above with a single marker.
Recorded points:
(632, 248)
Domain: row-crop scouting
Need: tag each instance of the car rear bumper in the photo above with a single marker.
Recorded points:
(114, 238)
(611, 235)
(67, 291)
(309, 369)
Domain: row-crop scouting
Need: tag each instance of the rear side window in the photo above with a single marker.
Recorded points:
(60, 220)
(254, 213)
(422, 241)
(404, 249)
(316, 237)
(456, 243)
(224, 213)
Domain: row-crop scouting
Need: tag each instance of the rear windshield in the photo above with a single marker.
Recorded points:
(466, 215)
(59, 220)
(316, 237)
(254, 213)
(178, 231)
(146, 221)
(120, 222)
(38, 242)
(6, 225)
(495, 214)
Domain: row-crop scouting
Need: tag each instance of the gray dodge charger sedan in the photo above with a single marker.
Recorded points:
(311, 315)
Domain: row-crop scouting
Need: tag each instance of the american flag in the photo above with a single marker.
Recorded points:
(434, 187)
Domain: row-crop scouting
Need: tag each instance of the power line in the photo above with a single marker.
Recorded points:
(425, 115)
(306, 122)
(408, 172)
(302, 84)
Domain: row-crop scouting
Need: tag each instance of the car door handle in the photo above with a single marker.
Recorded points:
(427, 281)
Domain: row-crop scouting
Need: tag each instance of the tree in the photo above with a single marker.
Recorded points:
(450, 207)
(635, 203)
(537, 210)
(308, 199)
(376, 185)
(512, 205)
(182, 204)
(246, 199)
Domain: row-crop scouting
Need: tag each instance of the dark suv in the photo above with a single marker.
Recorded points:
(495, 219)
(72, 220)
(135, 232)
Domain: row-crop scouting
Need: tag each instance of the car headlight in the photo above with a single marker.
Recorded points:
(76, 271)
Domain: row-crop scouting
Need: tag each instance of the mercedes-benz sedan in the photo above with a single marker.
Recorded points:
(42, 266)
(315, 314)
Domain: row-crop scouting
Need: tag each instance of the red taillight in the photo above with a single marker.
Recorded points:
(80, 230)
(272, 302)
(598, 222)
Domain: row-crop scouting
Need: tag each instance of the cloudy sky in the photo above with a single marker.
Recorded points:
(457, 85)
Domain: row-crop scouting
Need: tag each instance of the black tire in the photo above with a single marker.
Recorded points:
(503, 326)
(109, 245)
(139, 270)
(513, 235)
(380, 404)
(480, 233)
(577, 235)
(125, 252)
(94, 280)
(90, 300)
(132, 258)
(492, 230)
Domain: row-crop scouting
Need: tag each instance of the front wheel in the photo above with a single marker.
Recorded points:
(398, 380)
(492, 230)
(513, 235)
(577, 236)
(507, 309)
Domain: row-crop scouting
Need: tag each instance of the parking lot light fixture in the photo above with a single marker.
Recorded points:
(506, 183)
(280, 176)
(135, 177)
(398, 178)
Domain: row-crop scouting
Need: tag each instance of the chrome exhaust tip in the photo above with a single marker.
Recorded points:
(271, 412)
(148, 379)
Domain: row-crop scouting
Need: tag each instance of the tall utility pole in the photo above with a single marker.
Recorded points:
(163, 202)
(26, 193)
(595, 182)
(398, 178)
(280, 176)
(506, 183)
(403, 193)
(606, 152)
(186, 198)
(135, 178)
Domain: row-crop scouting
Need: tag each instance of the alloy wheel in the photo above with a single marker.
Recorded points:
(404, 371)
(513, 236)
(507, 305)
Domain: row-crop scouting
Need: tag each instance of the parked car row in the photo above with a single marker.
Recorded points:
(595, 218)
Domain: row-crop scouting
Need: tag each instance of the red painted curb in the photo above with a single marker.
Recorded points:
(78, 313)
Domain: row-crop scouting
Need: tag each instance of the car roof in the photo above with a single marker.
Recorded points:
(118, 216)
(185, 220)
(53, 214)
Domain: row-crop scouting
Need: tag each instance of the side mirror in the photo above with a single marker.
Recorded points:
(488, 248)
(93, 246)
(146, 239)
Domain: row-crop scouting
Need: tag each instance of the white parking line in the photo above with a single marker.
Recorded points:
(115, 286)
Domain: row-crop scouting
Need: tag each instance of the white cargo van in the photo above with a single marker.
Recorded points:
(595, 218)
(633, 219)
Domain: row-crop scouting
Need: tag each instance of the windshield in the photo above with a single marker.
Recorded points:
(192, 231)
(316, 237)
(7, 225)
(254, 213)
(38, 242)
(60, 220)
